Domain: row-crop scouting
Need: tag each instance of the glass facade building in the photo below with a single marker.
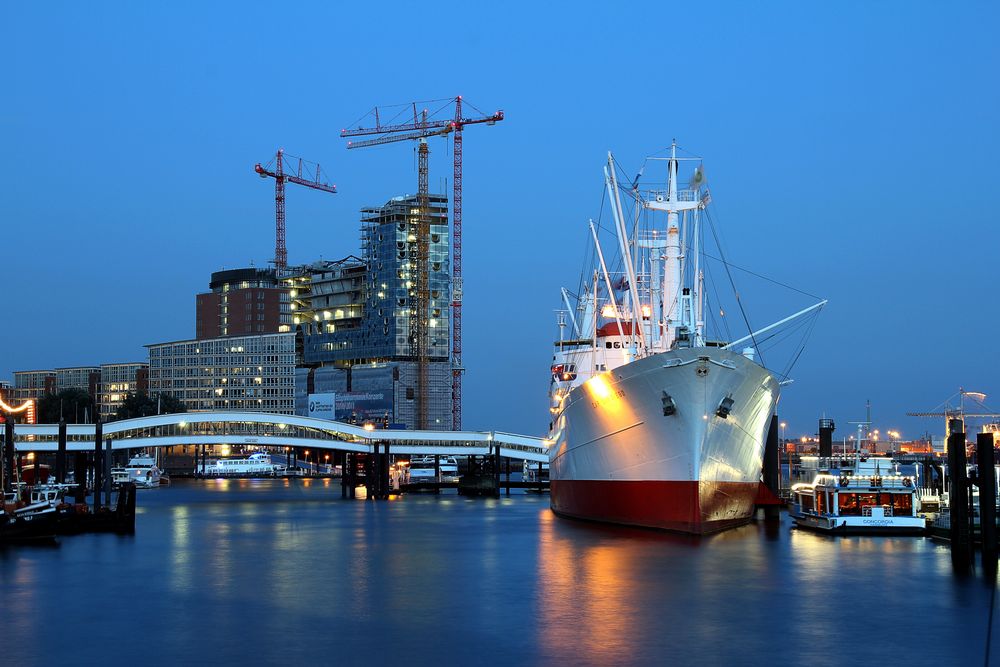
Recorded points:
(355, 315)
(374, 315)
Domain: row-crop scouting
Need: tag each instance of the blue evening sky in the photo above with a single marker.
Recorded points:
(851, 149)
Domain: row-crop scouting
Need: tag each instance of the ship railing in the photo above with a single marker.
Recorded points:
(866, 510)
(664, 195)
(928, 494)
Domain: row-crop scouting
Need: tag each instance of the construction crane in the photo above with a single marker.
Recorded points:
(282, 170)
(959, 413)
(420, 127)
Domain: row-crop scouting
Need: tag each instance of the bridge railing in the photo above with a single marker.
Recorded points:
(273, 430)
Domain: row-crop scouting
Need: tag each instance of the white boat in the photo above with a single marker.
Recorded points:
(141, 469)
(257, 464)
(422, 469)
(534, 472)
(654, 423)
(868, 497)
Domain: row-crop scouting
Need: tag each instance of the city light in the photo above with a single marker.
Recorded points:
(21, 408)
(369, 426)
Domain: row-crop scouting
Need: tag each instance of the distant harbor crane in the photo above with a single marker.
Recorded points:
(959, 413)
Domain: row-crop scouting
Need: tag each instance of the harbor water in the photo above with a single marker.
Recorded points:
(285, 571)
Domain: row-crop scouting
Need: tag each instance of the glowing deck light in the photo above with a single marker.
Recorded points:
(598, 387)
(369, 426)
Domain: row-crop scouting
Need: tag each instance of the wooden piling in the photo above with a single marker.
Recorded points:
(496, 470)
(386, 479)
(437, 473)
(986, 459)
(61, 453)
(108, 461)
(7, 466)
(98, 442)
(958, 502)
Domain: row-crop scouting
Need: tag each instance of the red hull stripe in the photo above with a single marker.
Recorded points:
(687, 507)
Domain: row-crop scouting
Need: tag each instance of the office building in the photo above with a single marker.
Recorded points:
(32, 385)
(242, 302)
(119, 380)
(87, 378)
(245, 373)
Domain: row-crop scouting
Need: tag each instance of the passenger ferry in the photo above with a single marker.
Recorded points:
(859, 500)
(257, 464)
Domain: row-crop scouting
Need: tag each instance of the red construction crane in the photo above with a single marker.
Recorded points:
(285, 170)
(418, 128)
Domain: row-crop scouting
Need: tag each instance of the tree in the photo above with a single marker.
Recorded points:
(141, 404)
(76, 405)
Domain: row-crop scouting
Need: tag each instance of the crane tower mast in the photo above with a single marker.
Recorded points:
(295, 174)
(420, 128)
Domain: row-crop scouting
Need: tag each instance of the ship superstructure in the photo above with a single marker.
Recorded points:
(653, 423)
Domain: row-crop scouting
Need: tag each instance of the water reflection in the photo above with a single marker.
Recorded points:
(284, 570)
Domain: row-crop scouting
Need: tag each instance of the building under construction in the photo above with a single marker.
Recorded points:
(375, 330)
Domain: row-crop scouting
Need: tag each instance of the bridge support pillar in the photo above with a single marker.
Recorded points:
(354, 475)
(342, 457)
(496, 470)
(506, 466)
(384, 480)
(437, 473)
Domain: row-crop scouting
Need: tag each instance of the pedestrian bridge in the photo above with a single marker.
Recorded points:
(258, 429)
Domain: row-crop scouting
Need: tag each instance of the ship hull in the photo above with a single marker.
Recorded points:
(646, 443)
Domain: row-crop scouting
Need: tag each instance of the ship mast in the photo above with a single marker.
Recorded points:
(611, 182)
(672, 277)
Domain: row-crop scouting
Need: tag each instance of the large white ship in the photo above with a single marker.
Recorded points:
(653, 423)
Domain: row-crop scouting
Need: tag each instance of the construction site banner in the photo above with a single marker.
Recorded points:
(359, 407)
(321, 405)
